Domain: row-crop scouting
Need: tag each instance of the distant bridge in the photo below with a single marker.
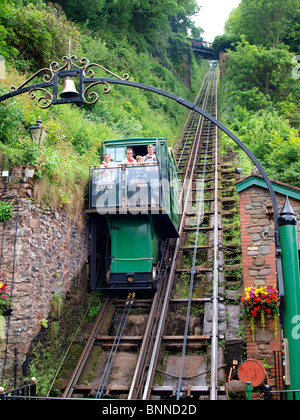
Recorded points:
(202, 48)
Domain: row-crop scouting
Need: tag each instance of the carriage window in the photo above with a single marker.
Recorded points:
(117, 153)
(105, 187)
(142, 186)
(125, 186)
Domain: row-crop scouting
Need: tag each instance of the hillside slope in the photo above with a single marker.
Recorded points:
(75, 133)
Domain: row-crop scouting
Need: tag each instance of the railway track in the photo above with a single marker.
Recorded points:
(168, 346)
(199, 237)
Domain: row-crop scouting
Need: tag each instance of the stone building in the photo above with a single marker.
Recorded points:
(258, 254)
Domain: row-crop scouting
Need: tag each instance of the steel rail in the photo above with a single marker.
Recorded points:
(200, 213)
(103, 383)
(198, 102)
(86, 351)
(149, 335)
(215, 299)
(147, 344)
(193, 117)
(154, 357)
(190, 165)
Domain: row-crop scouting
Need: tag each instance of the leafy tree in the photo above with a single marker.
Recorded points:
(84, 10)
(283, 159)
(253, 70)
(197, 32)
(142, 16)
(260, 98)
(35, 35)
(266, 22)
(224, 43)
(272, 140)
(5, 50)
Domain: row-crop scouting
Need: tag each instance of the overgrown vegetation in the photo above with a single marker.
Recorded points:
(47, 358)
(147, 40)
(260, 94)
(6, 210)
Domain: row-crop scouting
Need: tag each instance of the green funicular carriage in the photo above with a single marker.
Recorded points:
(133, 209)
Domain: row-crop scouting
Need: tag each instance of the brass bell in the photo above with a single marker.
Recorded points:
(69, 90)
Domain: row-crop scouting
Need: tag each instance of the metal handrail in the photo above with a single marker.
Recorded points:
(268, 393)
(24, 392)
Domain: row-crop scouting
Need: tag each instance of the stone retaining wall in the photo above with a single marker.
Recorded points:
(42, 251)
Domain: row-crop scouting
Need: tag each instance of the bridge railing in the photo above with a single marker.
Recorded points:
(200, 44)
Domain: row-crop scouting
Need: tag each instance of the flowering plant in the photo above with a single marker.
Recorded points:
(4, 299)
(261, 300)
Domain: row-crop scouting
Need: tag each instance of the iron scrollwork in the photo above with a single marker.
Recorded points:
(89, 73)
(50, 77)
(43, 102)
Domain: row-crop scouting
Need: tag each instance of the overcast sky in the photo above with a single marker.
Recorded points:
(213, 16)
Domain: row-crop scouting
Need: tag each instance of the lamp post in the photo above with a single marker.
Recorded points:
(38, 133)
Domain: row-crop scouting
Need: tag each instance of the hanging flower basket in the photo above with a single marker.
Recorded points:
(261, 301)
(5, 309)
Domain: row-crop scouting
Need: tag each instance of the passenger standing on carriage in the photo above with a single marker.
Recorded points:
(129, 159)
(153, 181)
(140, 160)
(150, 157)
(139, 183)
(107, 161)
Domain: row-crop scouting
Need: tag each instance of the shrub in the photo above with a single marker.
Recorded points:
(6, 210)
(38, 34)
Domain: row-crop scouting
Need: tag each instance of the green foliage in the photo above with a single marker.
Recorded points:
(49, 347)
(197, 32)
(225, 42)
(44, 323)
(6, 211)
(10, 120)
(75, 133)
(57, 304)
(269, 71)
(5, 50)
(36, 35)
(259, 97)
(272, 140)
(133, 16)
(266, 22)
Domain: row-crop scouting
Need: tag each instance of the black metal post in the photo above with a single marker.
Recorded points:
(15, 367)
(267, 393)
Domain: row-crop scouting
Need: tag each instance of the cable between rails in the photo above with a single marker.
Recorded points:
(103, 383)
(193, 270)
